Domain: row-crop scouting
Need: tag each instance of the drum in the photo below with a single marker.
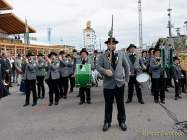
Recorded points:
(144, 80)
(83, 75)
(143, 77)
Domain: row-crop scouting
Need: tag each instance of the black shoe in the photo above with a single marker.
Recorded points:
(34, 104)
(39, 97)
(42, 97)
(81, 102)
(123, 126)
(128, 101)
(56, 103)
(163, 102)
(65, 97)
(50, 104)
(156, 101)
(141, 102)
(176, 98)
(106, 126)
(179, 97)
(184, 91)
(25, 105)
(88, 102)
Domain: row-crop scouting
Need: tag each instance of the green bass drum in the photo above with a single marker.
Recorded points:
(83, 75)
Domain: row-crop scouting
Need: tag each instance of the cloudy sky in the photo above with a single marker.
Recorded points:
(67, 18)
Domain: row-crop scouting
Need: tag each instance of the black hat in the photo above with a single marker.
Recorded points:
(95, 51)
(68, 55)
(30, 54)
(150, 50)
(19, 55)
(40, 54)
(61, 52)
(52, 53)
(131, 46)
(74, 50)
(175, 58)
(113, 40)
(84, 50)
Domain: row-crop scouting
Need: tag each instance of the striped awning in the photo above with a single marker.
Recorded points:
(11, 24)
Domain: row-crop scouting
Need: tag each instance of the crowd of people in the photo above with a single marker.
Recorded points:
(118, 69)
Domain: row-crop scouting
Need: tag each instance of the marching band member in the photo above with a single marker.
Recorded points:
(84, 59)
(18, 66)
(158, 77)
(30, 80)
(72, 76)
(135, 69)
(64, 74)
(177, 76)
(40, 73)
(52, 77)
(115, 68)
(144, 61)
(71, 71)
(6, 70)
(150, 56)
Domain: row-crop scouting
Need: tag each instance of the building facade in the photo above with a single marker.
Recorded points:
(89, 38)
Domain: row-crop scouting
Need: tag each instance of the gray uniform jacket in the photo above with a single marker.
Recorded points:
(156, 69)
(120, 74)
(176, 72)
(0, 72)
(30, 71)
(53, 70)
(41, 71)
(65, 67)
(18, 63)
(135, 68)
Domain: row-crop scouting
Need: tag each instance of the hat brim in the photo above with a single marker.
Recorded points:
(84, 51)
(107, 42)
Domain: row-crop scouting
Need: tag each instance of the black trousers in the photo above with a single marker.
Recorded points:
(72, 82)
(40, 83)
(82, 91)
(53, 89)
(159, 88)
(178, 88)
(183, 81)
(30, 86)
(63, 86)
(133, 82)
(109, 95)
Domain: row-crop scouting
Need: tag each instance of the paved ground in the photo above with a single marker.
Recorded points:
(70, 121)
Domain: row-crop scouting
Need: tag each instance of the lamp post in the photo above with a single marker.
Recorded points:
(140, 24)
